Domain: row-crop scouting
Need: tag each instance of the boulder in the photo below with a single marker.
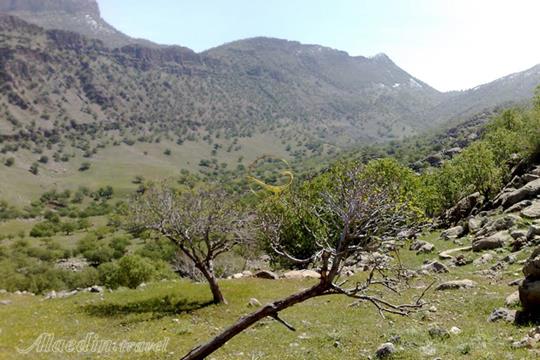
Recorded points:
(502, 314)
(476, 223)
(533, 231)
(456, 285)
(266, 274)
(464, 208)
(449, 254)
(385, 351)
(533, 211)
(512, 299)
(253, 302)
(528, 191)
(494, 241)
(518, 207)
(529, 295)
(484, 259)
(435, 267)
(453, 233)
(422, 247)
(437, 332)
(504, 223)
(5, 302)
(302, 274)
(532, 266)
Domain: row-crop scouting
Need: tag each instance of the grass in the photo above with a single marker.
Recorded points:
(327, 328)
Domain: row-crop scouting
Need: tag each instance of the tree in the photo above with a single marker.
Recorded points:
(203, 224)
(34, 168)
(354, 213)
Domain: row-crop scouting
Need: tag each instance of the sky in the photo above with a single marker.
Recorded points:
(450, 44)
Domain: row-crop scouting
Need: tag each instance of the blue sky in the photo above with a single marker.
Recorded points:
(451, 45)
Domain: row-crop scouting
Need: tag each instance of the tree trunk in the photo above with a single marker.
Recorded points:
(243, 323)
(208, 273)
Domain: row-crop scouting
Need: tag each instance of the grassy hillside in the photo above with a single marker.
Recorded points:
(327, 327)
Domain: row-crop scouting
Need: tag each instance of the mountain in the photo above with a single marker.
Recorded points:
(82, 16)
(96, 95)
(510, 90)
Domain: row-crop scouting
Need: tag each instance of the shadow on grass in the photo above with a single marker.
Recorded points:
(158, 307)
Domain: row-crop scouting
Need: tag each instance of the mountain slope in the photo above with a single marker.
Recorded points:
(82, 16)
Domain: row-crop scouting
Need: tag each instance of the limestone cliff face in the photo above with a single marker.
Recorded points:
(89, 7)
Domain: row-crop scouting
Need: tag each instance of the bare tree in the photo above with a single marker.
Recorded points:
(356, 213)
(203, 223)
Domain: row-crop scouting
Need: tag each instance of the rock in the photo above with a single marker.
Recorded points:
(532, 265)
(529, 295)
(518, 207)
(476, 223)
(72, 264)
(99, 289)
(484, 259)
(510, 259)
(426, 249)
(453, 233)
(254, 303)
(533, 211)
(435, 267)
(504, 223)
(5, 302)
(60, 294)
(237, 276)
(461, 260)
(3, 291)
(494, 241)
(385, 351)
(464, 208)
(448, 254)
(518, 234)
(266, 274)
(456, 285)
(502, 314)
(247, 273)
(422, 247)
(455, 330)
(437, 332)
(533, 231)
(512, 299)
(529, 191)
(417, 244)
(302, 274)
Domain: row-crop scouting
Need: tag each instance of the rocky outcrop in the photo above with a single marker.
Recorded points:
(464, 208)
(509, 198)
(494, 241)
(529, 290)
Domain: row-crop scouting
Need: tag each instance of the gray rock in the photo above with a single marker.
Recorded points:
(494, 241)
(385, 351)
(435, 267)
(518, 234)
(512, 299)
(532, 265)
(254, 303)
(533, 231)
(476, 223)
(504, 223)
(529, 191)
(98, 289)
(453, 233)
(464, 208)
(449, 254)
(5, 302)
(484, 259)
(437, 332)
(456, 285)
(302, 274)
(417, 245)
(533, 211)
(518, 207)
(266, 274)
(502, 314)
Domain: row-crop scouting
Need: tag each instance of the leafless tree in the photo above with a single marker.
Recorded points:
(357, 212)
(203, 224)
